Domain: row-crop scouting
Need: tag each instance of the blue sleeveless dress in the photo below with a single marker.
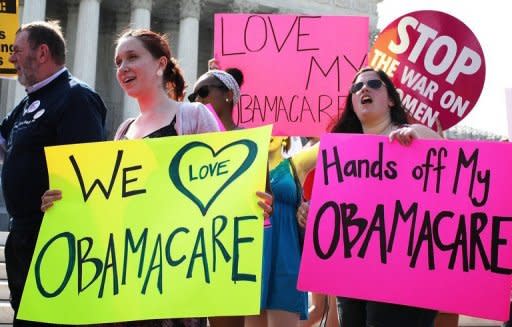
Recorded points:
(282, 252)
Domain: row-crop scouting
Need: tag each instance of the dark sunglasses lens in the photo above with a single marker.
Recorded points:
(374, 83)
(203, 91)
(356, 87)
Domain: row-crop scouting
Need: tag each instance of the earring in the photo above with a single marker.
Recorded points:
(159, 73)
(227, 100)
(170, 93)
(284, 145)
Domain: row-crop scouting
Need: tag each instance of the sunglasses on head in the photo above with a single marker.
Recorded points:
(203, 92)
(372, 83)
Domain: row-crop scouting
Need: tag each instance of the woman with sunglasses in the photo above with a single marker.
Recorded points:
(147, 72)
(282, 303)
(373, 106)
(221, 89)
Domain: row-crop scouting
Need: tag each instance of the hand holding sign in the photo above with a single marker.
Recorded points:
(196, 229)
(433, 219)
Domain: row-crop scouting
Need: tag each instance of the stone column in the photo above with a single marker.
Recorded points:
(122, 21)
(170, 25)
(140, 17)
(188, 46)
(33, 10)
(244, 6)
(141, 13)
(71, 27)
(86, 49)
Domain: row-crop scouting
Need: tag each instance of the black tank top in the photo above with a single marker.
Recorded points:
(167, 130)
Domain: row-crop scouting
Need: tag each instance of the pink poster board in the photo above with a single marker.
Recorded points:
(454, 256)
(297, 69)
(436, 63)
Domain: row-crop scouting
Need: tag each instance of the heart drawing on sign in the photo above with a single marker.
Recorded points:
(176, 178)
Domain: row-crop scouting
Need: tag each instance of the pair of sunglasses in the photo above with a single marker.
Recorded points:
(372, 83)
(203, 92)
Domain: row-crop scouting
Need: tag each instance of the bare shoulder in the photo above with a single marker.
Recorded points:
(423, 132)
(305, 159)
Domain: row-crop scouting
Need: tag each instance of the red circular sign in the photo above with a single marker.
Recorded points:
(436, 63)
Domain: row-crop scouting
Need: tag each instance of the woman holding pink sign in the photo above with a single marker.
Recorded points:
(373, 106)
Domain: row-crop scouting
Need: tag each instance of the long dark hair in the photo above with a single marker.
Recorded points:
(349, 123)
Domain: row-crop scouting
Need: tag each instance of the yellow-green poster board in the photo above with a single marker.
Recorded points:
(147, 229)
(9, 24)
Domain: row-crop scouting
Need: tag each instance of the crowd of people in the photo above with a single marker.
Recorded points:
(146, 71)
